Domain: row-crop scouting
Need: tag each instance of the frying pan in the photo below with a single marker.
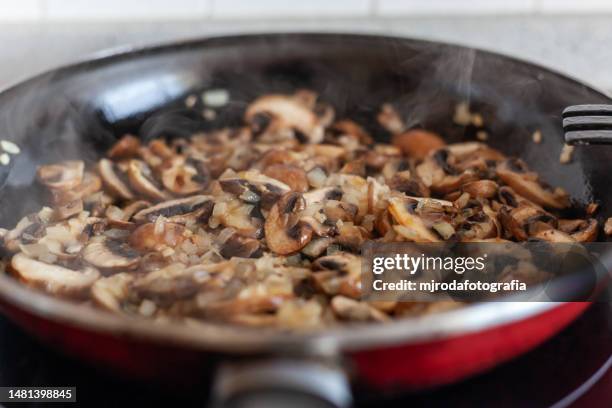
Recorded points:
(79, 110)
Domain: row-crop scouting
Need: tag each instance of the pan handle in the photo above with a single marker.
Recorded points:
(280, 383)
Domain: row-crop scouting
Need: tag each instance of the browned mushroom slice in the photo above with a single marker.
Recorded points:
(155, 236)
(352, 129)
(608, 226)
(481, 188)
(292, 176)
(68, 209)
(142, 180)
(317, 247)
(322, 194)
(580, 230)
(480, 223)
(253, 187)
(63, 176)
(514, 173)
(182, 210)
(127, 146)
(525, 220)
(351, 236)
(437, 174)
(339, 273)
(167, 285)
(241, 247)
(115, 179)
(105, 253)
(54, 278)
(288, 113)
(353, 310)
(285, 232)
(410, 225)
(417, 143)
(553, 235)
(183, 177)
(112, 292)
(390, 119)
(406, 183)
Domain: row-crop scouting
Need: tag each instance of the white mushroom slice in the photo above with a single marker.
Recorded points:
(114, 179)
(64, 175)
(54, 278)
(142, 180)
(112, 291)
(105, 253)
(339, 273)
(290, 113)
(182, 210)
(411, 226)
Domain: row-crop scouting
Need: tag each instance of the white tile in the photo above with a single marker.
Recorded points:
(126, 9)
(293, 9)
(20, 10)
(391, 8)
(574, 6)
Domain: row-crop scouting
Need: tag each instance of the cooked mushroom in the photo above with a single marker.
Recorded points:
(112, 292)
(182, 210)
(417, 143)
(515, 174)
(254, 187)
(184, 177)
(142, 180)
(580, 230)
(155, 236)
(62, 176)
(608, 226)
(126, 147)
(105, 253)
(410, 225)
(115, 179)
(350, 309)
(481, 188)
(338, 274)
(54, 278)
(290, 175)
(288, 113)
(242, 247)
(285, 232)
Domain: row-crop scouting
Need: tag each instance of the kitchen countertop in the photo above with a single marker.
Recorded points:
(578, 46)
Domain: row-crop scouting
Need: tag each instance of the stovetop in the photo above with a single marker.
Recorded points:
(572, 369)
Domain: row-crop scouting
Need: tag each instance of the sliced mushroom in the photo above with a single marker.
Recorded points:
(155, 236)
(515, 174)
(411, 226)
(112, 292)
(182, 210)
(553, 235)
(253, 187)
(142, 180)
(350, 309)
(62, 176)
(115, 179)
(417, 143)
(285, 233)
(580, 230)
(322, 194)
(288, 113)
(242, 247)
(338, 274)
(481, 188)
(184, 177)
(126, 147)
(292, 176)
(54, 278)
(105, 253)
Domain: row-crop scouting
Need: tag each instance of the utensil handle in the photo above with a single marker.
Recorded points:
(281, 384)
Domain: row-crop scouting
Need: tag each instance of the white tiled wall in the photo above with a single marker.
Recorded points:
(85, 10)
